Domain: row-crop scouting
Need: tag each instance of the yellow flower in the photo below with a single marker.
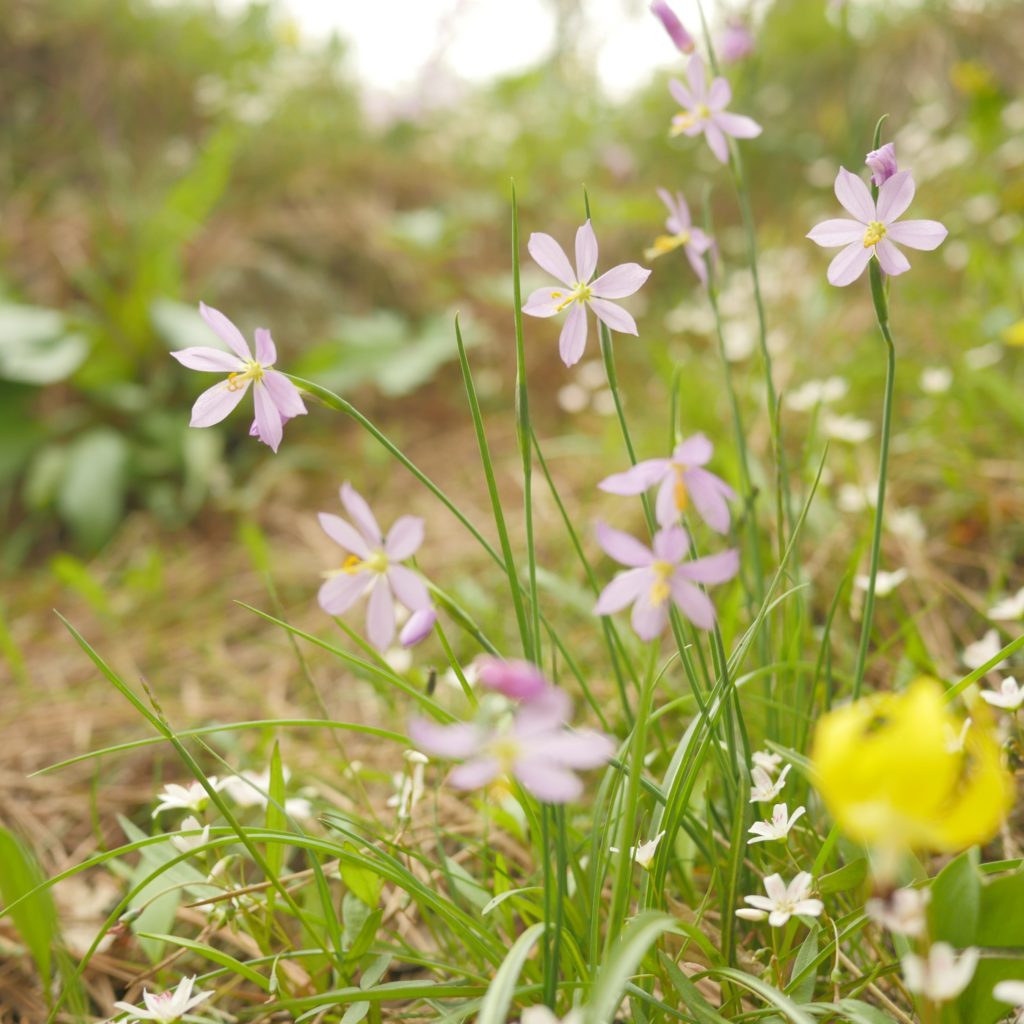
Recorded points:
(1014, 334)
(893, 774)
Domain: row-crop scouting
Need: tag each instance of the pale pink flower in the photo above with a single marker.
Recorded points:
(373, 567)
(535, 746)
(673, 26)
(659, 577)
(705, 112)
(782, 901)
(518, 680)
(682, 479)
(681, 234)
(580, 291)
(882, 162)
(874, 229)
(166, 1007)
(276, 398)
(735, 42)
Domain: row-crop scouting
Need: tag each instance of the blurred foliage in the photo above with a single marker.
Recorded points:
(155, 154)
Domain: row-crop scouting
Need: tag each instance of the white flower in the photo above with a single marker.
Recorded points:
(1011, 992)
(542, 1015)
(167, 1006)
(936, 380)
(903, 912)
(766, 760)
(191, 797)
(1010, 609)
(846, 428)
(906, 524)
(816, 392)
(982, 651)
(409, 784)
(885, 582)
(186, 844)
(943, 976)
(778, 826)
(764, 788)
(955, 740)
(1009, 696)
(644, 853)
(854, 498)
(984, 355)
(782, 901)
(250, 789)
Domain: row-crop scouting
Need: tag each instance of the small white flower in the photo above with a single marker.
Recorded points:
(854, 498)
(766, 761)
(885, 582)
(984, 355)
(1011, 992)
(542, 1015)
(846, 428)
(251, 789)
(409, 784)
(984, 650)
(398, 659)
(1010, 609)
(906, 524)
(903, 912)
(778, 826)
(186, 844)
(190, 797)
(943, 976)
(644, 853)
(955, 740)
(936, 380)
(1009, 696)
(764, 788)
(782, 901)
(816, 392)
(166, 1007)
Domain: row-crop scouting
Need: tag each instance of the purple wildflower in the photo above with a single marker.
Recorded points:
(883, 165)
(616, 283)
(681, 233)
(372, 567)
(673, 26)
(520, 680)
(659, 577)
(735, 42)
(535, 746)
(705, 111)
(276, 398)
(873, 230)
(682, 480)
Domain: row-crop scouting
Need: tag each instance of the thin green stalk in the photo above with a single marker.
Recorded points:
(550, 966)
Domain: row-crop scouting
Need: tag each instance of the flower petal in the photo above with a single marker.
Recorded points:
(717, 568)
(266, 350)
(458, 740)
(340, 592)
(548, 781)
(894, 197)
(623, 547)
(408, 587)
(614, 316)
(573, 339)
(674, 213)
(681, 94)
(268, 419)
(285, 394)
(709, 494)
(344, 534)
(838, 231)
(918, 234)
(545, 301)
(356, 506)
(586, 252)
(692, 602)
(666, 508)
(636, 479)
(225, 330)
(419, 626)
(620, 281)
(380, 615)
(212, 360)
(854, 197)
(739, 126)
(848, 265)
(215, 403)
(671, 544)
(694, 450)
(719, 94)
(574, 748)
(649, 619)
(694, 254)
(696, 76)
(404, 538)
(624, 589)
(473, 774)
(550, 256)
(716, 140)
(891, 260)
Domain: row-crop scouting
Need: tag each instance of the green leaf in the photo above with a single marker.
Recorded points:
(277, 820)
(180, 325)
(91, 495)
(495, 1006)
(803, 990)
(214, 955)
(849, 876)
(36, 346)
(857, 1012)
(35, 918)
(956, 902)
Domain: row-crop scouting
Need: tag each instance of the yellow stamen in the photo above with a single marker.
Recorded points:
(377, 562)
(680, 493)
(661, 590)
(579, 293)
(666, 243)
(874, 234)
(505, 750)
(253, 371)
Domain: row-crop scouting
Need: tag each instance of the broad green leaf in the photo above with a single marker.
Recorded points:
(91, 495)
(36, 346)
(956, 902)
(35, 918)
(803, 990)
(849, 876)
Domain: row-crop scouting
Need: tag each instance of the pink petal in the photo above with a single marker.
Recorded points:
(545, 301)
(473, 774)
(671, 544)
(918, 234)
(848, 265)
(268, 419)
(709, 495)
(694, 450)
(419, 626)
(649, 620)
(586, 252)
(548, 782)
(895, 196)
(719, 94)
(573, 339)
(550, 256)
(711, 569)
(695, 255)
(739, 126)
(380, 615)
(459, 740)
(620, 281)
(716, 140)
(225, 330)
(582, 748)
(854, 196)
(666, 511)
(214, 360)
(624, 589)
(285, 394)
(520, 680)
(266, 350)
(408, 587)
(891, 260)
(669, 200)
(697, 78)
(681, 94)
(340, 592)
(215, 403)
(549, 710)
(356, 506)
(625, 549)
(637, 479)
(692, 602)
(614, 316)
(839, 231)
(345, 534)
(404, 538)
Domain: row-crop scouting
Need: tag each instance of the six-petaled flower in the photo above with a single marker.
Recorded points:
(682, 234)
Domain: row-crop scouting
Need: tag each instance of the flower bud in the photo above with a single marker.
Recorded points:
(516, 679)
(418, 627)
(673, 26)
(882, 163)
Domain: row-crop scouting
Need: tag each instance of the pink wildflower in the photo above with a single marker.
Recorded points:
(520, 680)
(165, 1007)
(580, 292)
(276, 398)
(659, 577)
(681, 233)
(682, 479)
(735, 42)
(673, 26)
(882, 162)
(874, 229)
(372, 567)
(705, 112)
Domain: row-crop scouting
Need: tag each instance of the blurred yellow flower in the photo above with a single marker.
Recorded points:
(1014, 334)
(893, 775)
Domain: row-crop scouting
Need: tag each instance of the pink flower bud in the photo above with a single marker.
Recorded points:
(882, 163)
(418, 627)
(736, 42)
(519, 680)
(673, 26)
